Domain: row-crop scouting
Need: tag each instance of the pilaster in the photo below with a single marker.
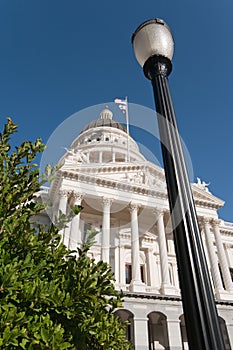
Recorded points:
(174, 334)
(141, 333)
(151, 266)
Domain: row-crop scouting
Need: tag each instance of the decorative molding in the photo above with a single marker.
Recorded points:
(148, 239)
(110, 183)
(125, 235)
(89, 177)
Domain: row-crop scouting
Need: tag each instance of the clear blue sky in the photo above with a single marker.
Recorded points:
(58, 57)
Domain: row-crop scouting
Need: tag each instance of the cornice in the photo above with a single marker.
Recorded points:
(88, 173)
(114, 184)
(115, 168)
(226, 231)
(124, 186)
(204, 198)
(148, 238)
(173, 298)
(125, 235)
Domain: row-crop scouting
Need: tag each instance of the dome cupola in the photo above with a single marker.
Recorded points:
(106, 114)
(105, 119)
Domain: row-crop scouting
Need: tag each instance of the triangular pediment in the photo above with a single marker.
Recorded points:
(148, 236)
(203, 196)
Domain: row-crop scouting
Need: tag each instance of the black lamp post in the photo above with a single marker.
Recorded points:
(153, 46)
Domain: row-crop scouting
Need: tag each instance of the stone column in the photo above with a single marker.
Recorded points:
(107, 202)
(165, 280)
(75, 233)
(136, 283)
(222, 257)
(63, 201)
(62, 206)
(141, 333)
(213, 258)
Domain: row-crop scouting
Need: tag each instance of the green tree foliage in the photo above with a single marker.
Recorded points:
(48, 298)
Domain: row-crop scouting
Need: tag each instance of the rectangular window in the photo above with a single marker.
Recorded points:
(128, 273)
(231, 272)
(142, 272)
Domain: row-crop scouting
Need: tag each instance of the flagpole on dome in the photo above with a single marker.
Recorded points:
(123, 105)
(127, 127)
(127, 115)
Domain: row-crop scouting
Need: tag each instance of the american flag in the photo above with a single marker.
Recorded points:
(118, 100)
(123, 106)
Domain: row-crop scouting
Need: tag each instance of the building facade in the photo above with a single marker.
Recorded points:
(124, 199)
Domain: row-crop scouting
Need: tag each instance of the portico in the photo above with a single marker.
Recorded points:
(126, 203)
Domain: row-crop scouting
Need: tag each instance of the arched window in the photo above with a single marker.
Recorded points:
(222, 326)
(157, 329)
(126, 315)
(183, 333)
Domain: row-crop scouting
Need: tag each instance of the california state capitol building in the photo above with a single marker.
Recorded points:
(124, 198)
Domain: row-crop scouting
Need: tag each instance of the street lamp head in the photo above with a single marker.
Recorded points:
(152, 38)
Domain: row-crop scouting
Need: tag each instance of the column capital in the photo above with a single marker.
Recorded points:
(159, 211)
(64, 193)
(228, 245)
(215, 222)
(133, 207)
(107, 201)
(77, 195)
(205, 220)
